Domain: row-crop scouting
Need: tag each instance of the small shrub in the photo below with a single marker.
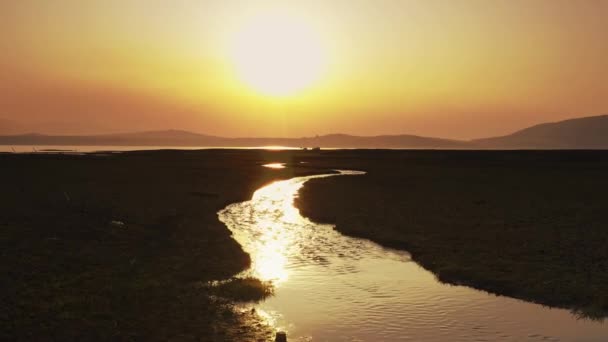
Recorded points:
(246, 289)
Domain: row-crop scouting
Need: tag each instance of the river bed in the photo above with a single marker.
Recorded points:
(331, 287)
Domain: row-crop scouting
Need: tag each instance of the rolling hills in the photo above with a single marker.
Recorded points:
(581, 133)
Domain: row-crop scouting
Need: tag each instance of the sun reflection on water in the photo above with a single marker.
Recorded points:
(330, 287)
(272, 231)
(270, 261)
(275, 165)
(274, 243)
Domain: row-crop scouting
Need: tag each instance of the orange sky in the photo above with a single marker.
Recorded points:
(455, 69)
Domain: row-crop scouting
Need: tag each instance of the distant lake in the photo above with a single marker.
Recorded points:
(92, 148)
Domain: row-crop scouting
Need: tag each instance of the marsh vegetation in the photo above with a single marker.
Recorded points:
(112, 246)
(526, 224)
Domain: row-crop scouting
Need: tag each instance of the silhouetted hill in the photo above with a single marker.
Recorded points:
(383, 141)
(184, 138)
(581, 133)
(351, 141)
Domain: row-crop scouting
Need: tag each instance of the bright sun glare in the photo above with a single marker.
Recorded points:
(278, 54)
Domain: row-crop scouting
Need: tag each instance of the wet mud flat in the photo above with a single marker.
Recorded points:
(116, 246)
(525, 224)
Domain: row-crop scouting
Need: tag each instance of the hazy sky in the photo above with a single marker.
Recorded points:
(456, 69)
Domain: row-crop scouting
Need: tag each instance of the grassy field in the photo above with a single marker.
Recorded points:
(117, 247)
(530, 225)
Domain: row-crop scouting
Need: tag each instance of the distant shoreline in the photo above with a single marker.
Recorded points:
(580, 133)
(82, 149)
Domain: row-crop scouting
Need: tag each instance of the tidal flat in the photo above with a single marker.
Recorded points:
(115, 246)
(525, 224)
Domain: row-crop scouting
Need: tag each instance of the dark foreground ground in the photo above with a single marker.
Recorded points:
(530, 225)
(118, 247)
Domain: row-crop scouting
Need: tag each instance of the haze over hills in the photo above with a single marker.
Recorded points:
(183, 138)
(9, 127)
(12, 127)
(581, 133)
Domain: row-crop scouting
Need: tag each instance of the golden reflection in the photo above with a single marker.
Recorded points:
(332, 287)
(270, 259)
(274, 243)
(275, 165)
(274, 235)
(267, 317)
(276, 148)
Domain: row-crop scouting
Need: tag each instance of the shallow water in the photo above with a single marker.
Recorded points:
(118, 148)
(330, 287)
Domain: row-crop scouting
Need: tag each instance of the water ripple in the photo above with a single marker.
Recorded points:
(335, 288)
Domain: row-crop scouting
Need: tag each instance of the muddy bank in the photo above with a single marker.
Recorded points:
(530, 225)
(114, 246)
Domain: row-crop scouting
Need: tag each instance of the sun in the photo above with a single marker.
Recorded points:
(278, 54)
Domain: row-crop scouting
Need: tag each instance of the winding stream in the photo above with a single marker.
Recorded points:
(330, 287)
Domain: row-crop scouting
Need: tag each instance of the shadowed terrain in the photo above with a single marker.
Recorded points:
(530, 225)
(120, 246)
(580, 133)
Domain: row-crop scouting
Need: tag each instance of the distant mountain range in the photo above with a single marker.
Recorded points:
(183, 138)
(582, 133)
